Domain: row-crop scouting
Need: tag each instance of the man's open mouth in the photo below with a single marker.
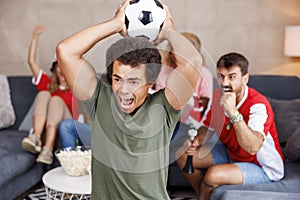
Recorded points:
(227, 89)
(125, 103)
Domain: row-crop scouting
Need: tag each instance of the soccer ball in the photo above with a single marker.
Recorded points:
(144, 18)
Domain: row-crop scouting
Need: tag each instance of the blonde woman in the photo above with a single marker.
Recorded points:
(196, 106)
(53, 103)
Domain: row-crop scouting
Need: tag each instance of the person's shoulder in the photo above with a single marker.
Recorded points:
(158, 98)
(256, 96)
(159, 94)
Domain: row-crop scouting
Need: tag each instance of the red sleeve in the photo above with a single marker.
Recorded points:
(43, 83)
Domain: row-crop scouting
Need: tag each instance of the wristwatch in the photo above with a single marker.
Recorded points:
(237, 117)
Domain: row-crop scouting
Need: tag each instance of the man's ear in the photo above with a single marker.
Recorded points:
(245, 79)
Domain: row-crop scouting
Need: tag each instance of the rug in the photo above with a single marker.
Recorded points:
(40, 194)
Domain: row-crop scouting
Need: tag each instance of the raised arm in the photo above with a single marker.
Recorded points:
(80, 75)
(38, 29)
(181, 83)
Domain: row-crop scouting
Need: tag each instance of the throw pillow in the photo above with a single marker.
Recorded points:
(7, 113)
(292, 148)
(287, 117)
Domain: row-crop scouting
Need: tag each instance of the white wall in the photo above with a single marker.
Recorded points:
(254, 28)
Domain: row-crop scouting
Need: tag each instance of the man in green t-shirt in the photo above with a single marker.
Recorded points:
(131, 129)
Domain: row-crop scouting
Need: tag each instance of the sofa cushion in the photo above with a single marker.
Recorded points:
(287, 117)
(290, 183)
(14, 161)
(7, 113)
(276, 87)
(292, 148)
(26, 124)
(23, 93)
(254, 195)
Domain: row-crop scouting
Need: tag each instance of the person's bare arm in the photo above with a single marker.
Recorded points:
(35, 69)
(181, 83)
(250, 140)
(80, 75)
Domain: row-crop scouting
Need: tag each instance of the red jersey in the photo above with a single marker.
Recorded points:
(42, 82)
(258, 115)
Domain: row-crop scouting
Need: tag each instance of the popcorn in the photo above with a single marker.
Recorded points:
(74, 160)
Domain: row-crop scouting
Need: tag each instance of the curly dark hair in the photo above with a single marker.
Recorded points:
(231, 59)
(133, 52)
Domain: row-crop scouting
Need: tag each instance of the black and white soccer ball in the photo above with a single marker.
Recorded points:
(144, 18)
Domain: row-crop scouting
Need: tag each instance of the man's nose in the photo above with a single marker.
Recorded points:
(124, 87)
(225, 81)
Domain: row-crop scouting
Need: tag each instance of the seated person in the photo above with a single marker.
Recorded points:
(53, 103)
(248, 151)
(73, 133)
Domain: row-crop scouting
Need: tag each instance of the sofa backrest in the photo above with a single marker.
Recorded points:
(23, 93)
(276, 87)
(283, 93)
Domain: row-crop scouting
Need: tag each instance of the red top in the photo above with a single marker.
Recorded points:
(258, 115)
(70, 100)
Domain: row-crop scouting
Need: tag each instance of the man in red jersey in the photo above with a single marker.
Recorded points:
(248, 150)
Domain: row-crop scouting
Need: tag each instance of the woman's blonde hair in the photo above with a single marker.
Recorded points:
(194, 39)
(54, 84)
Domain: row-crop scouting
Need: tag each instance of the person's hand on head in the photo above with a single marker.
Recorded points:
(39, 29)
(120, 18)
(168, 25)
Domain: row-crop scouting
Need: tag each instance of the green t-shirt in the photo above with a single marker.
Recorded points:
(130, 153)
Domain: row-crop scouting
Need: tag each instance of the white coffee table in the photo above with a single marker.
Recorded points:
(59, 185)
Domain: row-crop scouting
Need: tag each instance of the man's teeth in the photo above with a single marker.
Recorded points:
(227, 89)
(126, 101)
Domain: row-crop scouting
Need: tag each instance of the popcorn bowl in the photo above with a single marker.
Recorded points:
(74, 160)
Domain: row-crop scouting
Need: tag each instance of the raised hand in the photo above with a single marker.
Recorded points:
(120, 17)
(228, 102)
(168, 25)
(38, 29)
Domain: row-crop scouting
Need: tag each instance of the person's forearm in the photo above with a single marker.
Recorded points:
(249, 140)
(70, 53)
(32, 55)
(79, 43)
(182, 81)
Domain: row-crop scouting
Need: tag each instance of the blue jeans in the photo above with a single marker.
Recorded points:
(71, 130)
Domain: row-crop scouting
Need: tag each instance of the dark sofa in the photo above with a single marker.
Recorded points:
(283, 93)
(18, 169)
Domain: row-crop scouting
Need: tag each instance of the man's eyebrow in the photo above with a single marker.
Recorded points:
(233, 73)
(116, 75)
(134, 78)
(130, 78)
